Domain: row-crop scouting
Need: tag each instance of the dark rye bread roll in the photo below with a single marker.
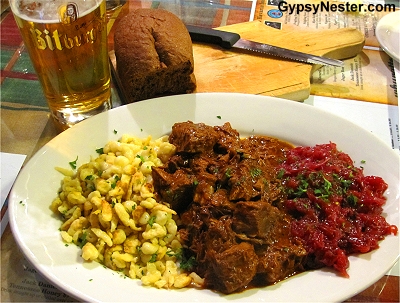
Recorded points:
(154, 55)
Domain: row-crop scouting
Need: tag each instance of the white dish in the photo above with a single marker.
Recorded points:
(388, 34)
(36, 229)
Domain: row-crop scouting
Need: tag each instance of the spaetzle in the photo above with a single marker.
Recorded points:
(109, 209)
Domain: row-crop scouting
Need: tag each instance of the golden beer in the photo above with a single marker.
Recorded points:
(67, 44)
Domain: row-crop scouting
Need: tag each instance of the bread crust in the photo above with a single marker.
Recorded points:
(154, 55)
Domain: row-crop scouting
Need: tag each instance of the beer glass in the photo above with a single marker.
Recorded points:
(67, 43)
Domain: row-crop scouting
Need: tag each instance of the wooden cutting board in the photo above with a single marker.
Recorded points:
(220, 70)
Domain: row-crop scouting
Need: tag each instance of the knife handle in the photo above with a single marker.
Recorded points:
(209, 35)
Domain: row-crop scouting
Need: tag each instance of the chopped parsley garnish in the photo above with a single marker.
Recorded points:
(170, 253)
(100, 151)
(116, 179)
(82, 240)
(141, 158)
(228, 172)
(321, 185)
(255, 172)
(153, 258)
(327, 185)
(73, 163)
(281, 173)
(185, 262)
(188, 264)
(151, 220)
(352, 200)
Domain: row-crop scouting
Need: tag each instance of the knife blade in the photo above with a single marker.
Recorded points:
(229, 40)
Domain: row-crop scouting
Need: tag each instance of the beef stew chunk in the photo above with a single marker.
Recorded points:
(226, 191)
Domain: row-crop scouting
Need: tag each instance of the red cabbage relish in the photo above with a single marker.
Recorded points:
(336, 209)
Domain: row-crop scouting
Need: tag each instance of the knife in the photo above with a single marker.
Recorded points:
(229, 40)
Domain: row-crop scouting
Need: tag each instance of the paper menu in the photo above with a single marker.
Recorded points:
(370, 76)
(10, 167)
(380, 119)
(320, 17)
(367, 77)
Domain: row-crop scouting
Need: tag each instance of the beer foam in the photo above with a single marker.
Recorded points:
(48, 11)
